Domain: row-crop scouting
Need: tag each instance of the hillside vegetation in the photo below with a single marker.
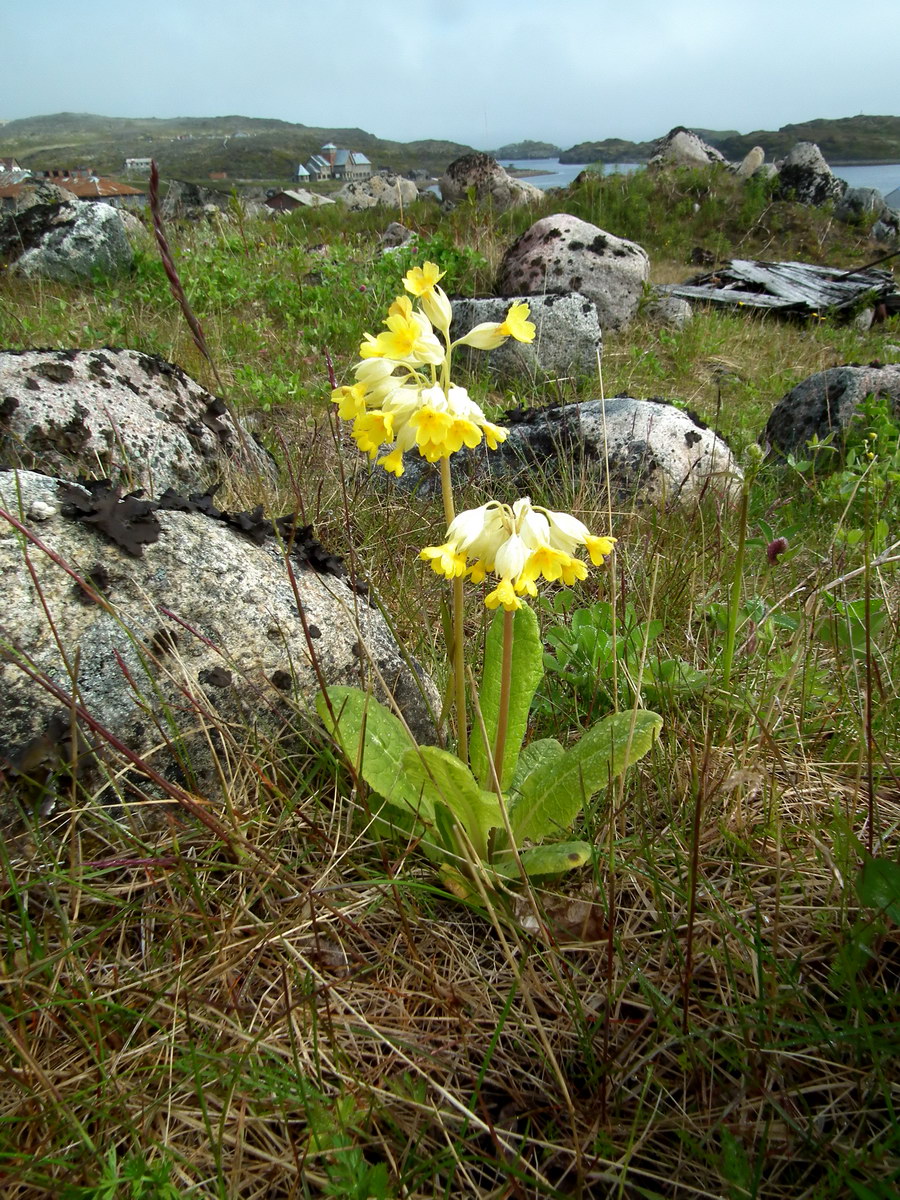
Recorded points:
(193, 147)
(844, 141)
(288, 1002)
(252, 148)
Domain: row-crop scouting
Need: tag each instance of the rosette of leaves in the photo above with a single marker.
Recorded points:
(498, 819)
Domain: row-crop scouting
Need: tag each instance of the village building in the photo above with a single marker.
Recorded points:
(290, 199)
(334, 163)
(138, 166)
(82, 183)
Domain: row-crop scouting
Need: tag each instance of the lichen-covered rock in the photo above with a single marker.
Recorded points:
(64, 239)
(859, 204)
(564, 254)
(805, 176)
(826, 403)
(119, 414)
(386, 191)
(651, 452)
(887, 228)
(33, 214)
(395, 236)
(683, 148)
(670, 311)
(567, 341)
(481, 176)
(192, 654)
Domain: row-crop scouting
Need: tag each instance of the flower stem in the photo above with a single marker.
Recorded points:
(734, 604)
(457, 647)
(505, 693)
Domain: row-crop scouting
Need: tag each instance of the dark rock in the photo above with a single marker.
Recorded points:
(826, 403)
(805, 176)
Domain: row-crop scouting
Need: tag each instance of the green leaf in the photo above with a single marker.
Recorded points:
(527, 672)
(878, 886)
(441, 778)
(554, 859)
(375, 742)
(554, 794)
(533, 756)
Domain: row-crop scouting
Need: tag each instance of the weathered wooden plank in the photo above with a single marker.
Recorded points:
(790, 287)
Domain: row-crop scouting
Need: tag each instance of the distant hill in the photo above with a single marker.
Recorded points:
(527, 149)
(846, 140)
(610, 150)
(193, 147)
(256, 148)
(843, 141)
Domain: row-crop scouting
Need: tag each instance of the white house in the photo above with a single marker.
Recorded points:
(332, 163)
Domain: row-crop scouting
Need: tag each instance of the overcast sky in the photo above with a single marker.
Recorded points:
(482, 72)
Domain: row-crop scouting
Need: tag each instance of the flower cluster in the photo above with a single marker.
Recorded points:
(519, 544)
(403, 397)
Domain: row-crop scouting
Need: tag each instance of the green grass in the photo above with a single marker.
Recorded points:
(299, 1010)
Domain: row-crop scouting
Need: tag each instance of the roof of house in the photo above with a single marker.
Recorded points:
(309, 199)
(88, 188)
(84, 189)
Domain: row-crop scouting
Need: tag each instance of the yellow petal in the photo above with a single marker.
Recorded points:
(517, 324)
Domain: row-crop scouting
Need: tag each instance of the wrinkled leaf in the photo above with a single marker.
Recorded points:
(534, 755)
(441, 778)
(553, 859)
(527, 672)
(375, 742)
(554, 794)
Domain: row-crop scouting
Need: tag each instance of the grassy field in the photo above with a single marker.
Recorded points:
(295, 1006)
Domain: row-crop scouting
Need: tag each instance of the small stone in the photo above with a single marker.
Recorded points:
(40, 510)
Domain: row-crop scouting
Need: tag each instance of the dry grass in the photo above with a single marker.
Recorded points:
(257, 1019)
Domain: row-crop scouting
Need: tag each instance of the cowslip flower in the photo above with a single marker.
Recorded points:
(409, 337)
(422, 282)
(491, 334)
(519, 544)
(435, 423)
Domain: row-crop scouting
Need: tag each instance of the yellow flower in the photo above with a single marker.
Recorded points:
(420, 280)
(351, 401)
(423, 282)
(503, 594)
(491, 334)
(599, 548)
(519, 544)
(517, 324)
(393, 462)
(372, 430)
(409, 337)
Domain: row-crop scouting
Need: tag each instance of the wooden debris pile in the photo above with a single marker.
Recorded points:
(790, 287)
